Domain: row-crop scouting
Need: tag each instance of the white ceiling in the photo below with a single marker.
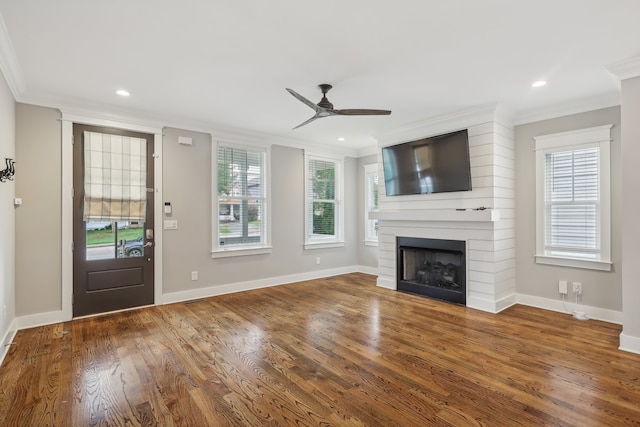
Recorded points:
(213, 63)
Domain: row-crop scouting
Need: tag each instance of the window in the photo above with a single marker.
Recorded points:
(573, 199)
(370, 204)
(324, 210)
(241, 223)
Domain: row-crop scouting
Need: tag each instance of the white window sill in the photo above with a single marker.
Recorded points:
(324, 245)
(371, 243)
(574, 262)
(240, 251)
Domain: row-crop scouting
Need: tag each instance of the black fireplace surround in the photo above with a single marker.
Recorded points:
(432, 267)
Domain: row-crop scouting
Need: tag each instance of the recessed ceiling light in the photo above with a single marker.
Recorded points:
(122, 92)
(539, 83)
(341, 138)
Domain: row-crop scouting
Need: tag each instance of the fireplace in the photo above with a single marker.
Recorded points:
(432, 267)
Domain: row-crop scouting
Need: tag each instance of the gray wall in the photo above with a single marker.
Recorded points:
(38, 257)
(187, 185)
(7, 212)
(600, 289)
(367, 255)
(630, 208)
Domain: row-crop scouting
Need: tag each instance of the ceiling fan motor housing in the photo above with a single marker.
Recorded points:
(324, 102)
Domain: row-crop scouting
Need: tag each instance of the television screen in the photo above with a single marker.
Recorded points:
(431, 165)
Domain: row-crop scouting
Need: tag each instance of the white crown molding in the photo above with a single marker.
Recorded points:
(109, 120)
(218, 132)
(627, 69)
(9, 63)
(447, 123)
(368, 151)
(567, 109)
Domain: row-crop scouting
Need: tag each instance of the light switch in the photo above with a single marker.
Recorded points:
(171, 224)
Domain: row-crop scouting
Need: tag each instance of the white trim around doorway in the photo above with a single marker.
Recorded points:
(67, 202)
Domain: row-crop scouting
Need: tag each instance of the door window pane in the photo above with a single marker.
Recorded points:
(109, 240)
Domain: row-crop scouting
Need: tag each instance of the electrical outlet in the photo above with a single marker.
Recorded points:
(562, 287)
(194, 275)
(577, 288)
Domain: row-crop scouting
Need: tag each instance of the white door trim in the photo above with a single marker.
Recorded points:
(67, 201)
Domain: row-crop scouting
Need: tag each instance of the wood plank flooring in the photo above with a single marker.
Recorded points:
(331, 352)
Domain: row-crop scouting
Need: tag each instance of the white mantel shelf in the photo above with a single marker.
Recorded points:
(469, 215)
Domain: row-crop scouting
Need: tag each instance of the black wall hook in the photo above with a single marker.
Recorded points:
(9, 171)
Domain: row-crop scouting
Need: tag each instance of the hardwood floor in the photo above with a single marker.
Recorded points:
(336, 351)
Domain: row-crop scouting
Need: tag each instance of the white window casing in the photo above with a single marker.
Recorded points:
(370, 204)
(573, 199)
(241, 211)
(324, 204)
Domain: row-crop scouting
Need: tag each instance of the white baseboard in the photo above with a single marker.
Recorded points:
(368, 270)
(41, 319)
(481, 304)
(567, 307)
(386, 283)
(629, 343)
(506, 302)
(212, 291)
(7, 339)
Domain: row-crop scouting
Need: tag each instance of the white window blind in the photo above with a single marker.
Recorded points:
(573, 200)
(241, 197)
(321, 189)
(572, 203)
(371, 202)
(324, 210)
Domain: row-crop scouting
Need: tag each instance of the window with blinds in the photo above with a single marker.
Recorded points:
(323, 205)
(572, 203)
(241, 197)
(573, 200)
(371, 202)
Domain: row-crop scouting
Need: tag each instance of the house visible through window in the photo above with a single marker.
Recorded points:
(573, 198)
(323, 205)
(241, 198)
(371, 203)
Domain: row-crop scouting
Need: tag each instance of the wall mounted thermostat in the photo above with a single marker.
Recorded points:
(167, 208)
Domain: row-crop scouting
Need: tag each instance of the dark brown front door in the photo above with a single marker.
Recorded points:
(113, 229)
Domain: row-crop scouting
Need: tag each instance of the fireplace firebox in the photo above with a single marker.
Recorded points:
(432, 267)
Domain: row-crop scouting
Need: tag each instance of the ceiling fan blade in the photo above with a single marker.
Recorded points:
(307, 122)
(361, 112)
(302, 99)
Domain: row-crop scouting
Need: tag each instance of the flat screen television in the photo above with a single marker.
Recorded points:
(431, 165)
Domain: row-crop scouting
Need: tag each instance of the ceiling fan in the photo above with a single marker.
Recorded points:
(324, 108)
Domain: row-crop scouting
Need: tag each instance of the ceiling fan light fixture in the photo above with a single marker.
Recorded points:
(324, 108)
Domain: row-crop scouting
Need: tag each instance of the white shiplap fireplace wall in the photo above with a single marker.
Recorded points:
(489, 234)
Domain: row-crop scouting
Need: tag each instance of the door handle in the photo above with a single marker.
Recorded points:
(148, 244)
